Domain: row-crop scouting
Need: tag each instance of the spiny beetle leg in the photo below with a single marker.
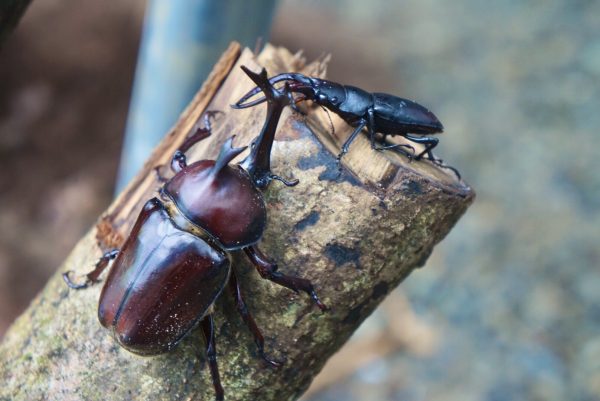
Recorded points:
(208, 330)
(178, 162)
(157, 170)
(287, 183)
(429, 143)
(440, 163)
(208, 115)
(397, 147)
(92, 277)
(242, 309)
(351, 139)
(268, 270)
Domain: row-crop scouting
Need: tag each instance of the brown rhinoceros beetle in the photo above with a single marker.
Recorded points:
(175, 262)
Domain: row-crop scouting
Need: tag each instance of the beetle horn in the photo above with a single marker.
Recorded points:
(226, 155)
(258, 162)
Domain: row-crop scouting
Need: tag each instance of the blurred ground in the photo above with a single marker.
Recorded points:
(513, 291)
(65, 79)
(507, 306)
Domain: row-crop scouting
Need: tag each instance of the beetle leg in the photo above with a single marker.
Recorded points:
(371, 126)
(397, 147)
(178, 162)
(288, 183)
(158, 171)
(429, 143)
(208, 330)
(440, 163)
(240, 305)
(455, 171)
(208, 115)
(268, 270)
(350, 139)
(91, 277)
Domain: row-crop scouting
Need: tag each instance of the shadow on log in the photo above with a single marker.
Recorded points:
(356, 237)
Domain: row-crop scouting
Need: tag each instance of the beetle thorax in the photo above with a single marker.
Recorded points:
(226, 204)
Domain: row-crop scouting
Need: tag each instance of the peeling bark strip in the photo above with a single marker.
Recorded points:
(355, 238)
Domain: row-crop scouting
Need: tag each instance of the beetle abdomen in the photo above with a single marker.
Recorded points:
(395, 115)
(163, 281)
(230, 207)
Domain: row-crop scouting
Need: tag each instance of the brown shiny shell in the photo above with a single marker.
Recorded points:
(162, 282)
(227, 205)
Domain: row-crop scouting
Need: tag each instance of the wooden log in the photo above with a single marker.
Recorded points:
(355, 236)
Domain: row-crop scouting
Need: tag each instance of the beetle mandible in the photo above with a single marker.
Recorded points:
(378, 112)
(175, 262)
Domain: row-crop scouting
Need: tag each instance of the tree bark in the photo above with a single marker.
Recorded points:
(356, 235)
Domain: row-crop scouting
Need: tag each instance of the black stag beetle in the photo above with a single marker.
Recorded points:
(379, 112)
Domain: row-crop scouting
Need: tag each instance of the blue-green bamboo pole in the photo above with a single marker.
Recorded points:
(181, 41)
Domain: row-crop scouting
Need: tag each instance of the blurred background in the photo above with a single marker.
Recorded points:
(508, 305)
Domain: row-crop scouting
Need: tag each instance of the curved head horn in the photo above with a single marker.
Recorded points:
(226, 155)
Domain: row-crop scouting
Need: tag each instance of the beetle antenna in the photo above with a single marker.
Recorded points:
(330, 120)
